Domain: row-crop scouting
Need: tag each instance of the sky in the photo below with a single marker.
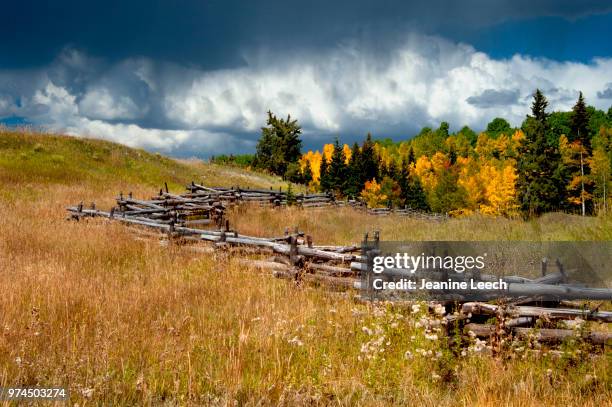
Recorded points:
(196, 78)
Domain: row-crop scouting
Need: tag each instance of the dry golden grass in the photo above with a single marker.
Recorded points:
(121, 321)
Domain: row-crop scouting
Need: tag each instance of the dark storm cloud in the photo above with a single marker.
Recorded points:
(214, 34)
(492, 97)
(606, 93)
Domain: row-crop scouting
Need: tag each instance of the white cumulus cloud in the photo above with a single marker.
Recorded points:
(346, 90)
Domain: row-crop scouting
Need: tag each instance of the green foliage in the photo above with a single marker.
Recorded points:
(293, 173)
(307, 174)
(391, 189)
(428, 143)
(337, 172)
(239, 160)
(469, 134)
(597, 120)
(324, 180)
(447, 194)
(369, 166)
(538, 107)
(580, 124)
(412, 194)
(498, 126)
(559, 123)
(291, 199)
(354, 183)
(411, 158)
(279, 145)
(443, 130)
(415, 197)
(541, 178)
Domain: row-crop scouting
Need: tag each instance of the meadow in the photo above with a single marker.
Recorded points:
(124, 320)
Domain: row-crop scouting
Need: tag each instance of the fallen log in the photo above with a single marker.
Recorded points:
(542, 334)
(539, 312)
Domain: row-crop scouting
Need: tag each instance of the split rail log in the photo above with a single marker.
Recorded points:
(539, 312)
(542, 334)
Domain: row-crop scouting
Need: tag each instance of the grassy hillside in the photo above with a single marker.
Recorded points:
(27, 157)
(124, 320)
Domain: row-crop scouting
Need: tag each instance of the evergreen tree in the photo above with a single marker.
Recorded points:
(538, 108)
(412, 194)
(354, 184)
(443, 130)
(392, 169)
(540, 183)
(580, 123)
(447, 195)
(307, 174)
(579, 169)
(452, 155)
(369, 161)
(337, 169)
(415, 195)
(469, 134)
(279, 145)
(411, 159)
(265, 150)
(291, 199)
(324, 181)
(498, 126)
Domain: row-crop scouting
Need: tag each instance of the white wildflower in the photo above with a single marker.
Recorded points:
(439, 309)
(295, 341)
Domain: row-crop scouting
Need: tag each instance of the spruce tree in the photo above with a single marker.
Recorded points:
(392, 169)
(443, 130)
(412, 194)
(540, 183)
(580, 124)
(307, 174)
(411, 159)
(369, 161)
(337, 169)
(580, 132)
(538, 108)
(324, 183)
(452, 155)
(279, 145)
(415, 196)
(353, 178)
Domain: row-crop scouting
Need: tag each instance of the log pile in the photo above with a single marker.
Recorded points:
(544, 324)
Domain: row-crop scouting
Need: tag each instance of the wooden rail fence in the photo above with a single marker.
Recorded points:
(189, 217)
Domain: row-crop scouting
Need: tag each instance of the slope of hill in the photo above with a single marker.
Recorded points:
(55, 159)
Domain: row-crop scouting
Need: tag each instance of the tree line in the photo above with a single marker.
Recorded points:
(558, 161)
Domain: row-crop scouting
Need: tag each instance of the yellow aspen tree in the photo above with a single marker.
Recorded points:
(328, 150)
(347, 153)
(372, 194)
